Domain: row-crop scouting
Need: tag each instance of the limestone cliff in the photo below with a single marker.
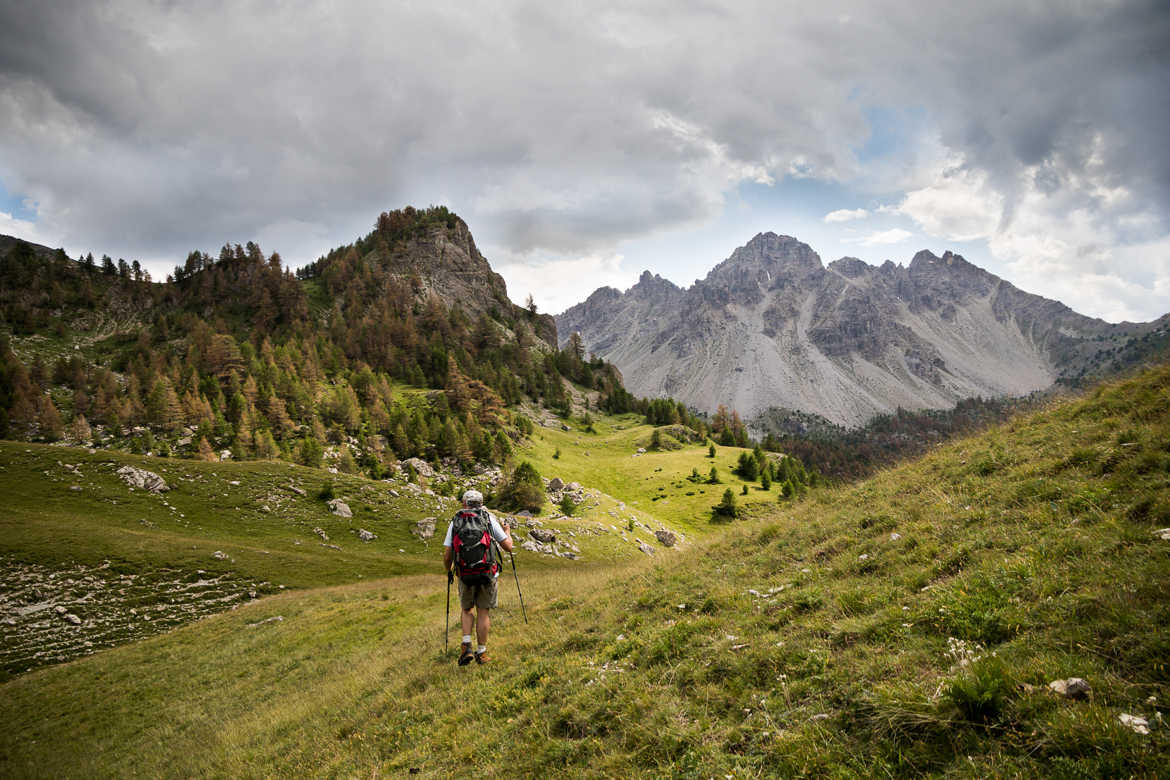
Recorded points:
(773, 327)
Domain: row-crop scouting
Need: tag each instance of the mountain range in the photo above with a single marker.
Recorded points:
(771, 328)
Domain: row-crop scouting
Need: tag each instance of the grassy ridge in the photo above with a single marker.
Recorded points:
(905, 625)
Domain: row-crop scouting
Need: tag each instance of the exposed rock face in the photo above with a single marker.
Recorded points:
(445, 262)
(143, 479)
(771, 327)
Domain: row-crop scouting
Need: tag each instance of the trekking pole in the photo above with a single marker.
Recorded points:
(521, 595)
(447, 624)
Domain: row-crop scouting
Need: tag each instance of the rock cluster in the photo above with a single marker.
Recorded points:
(142, 479)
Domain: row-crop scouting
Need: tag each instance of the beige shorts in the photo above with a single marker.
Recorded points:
(481, 596)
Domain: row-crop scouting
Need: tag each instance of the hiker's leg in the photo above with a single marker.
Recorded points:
(483, 622)
(467, 619)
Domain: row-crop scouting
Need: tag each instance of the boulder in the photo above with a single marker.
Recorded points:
(1072, 688)
(366, 536)
(537, 547)
(339, 508)
(575, 486)
(425, 528)
(666, 538)
(420, 466)
(141, 478)
(555, 484)
(543, 535)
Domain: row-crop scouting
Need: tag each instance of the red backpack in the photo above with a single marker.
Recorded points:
(472, 547)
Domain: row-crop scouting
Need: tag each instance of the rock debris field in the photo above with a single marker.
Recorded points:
(49, 616)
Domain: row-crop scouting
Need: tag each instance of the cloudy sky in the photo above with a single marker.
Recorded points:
(584, 142)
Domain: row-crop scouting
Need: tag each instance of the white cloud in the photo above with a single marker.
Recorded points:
(891, 236)
(958, 206)
(28, 230)
(845, 215)
(558, 283)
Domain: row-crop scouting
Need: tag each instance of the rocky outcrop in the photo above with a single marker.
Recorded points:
(770, 327)
(143, 479)
(444, 261)
(339, 508)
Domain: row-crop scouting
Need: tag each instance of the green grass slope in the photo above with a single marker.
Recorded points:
(906, 625)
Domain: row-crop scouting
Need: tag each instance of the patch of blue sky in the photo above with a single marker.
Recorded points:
(17, 206)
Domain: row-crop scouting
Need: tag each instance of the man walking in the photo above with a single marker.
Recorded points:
(468, 551)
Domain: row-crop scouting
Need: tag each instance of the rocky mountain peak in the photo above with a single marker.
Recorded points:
(851, 267)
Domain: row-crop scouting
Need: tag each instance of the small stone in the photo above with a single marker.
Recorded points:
(75, 488)
(366, 536)
(666, 538)
(895, 536)
(1072, 688)
(73, 619)
(1139, 724)
(321, 532)
(219, 555)
(1163, 534)
(819, 716)
(645, 547)
(297, 490)
(60, 610)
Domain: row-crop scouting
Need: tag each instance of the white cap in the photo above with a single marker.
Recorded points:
(473, 498)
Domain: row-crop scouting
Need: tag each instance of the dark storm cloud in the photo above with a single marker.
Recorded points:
(153, 128)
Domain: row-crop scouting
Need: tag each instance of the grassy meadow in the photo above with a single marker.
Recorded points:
(907, 625)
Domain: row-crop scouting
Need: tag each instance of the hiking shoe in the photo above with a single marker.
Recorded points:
(465, 654)
(482, 658)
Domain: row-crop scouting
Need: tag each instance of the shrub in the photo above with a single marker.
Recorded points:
(726, 509)
(522, 490)
(981, 692)
(326, 491)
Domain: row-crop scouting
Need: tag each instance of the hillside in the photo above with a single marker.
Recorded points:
(771, 326)
(401, 345)
(905, 625)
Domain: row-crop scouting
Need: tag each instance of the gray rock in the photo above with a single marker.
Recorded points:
(575, 486)
(666, 538)
(1163, 534)
(421, 467)
(141, 478)
(73, 619)
(296, 490)
(366, 536)
(537, 547)
(425, 528)
(321, 532)
(555, 484)
(219, 555)
(339, 508)
(645, 547)
(543, 535)
(1072, 688)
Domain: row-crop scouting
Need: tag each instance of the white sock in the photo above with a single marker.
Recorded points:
(467, 639)
(481, 649)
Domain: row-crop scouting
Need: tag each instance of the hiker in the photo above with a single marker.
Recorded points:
(468, 552)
